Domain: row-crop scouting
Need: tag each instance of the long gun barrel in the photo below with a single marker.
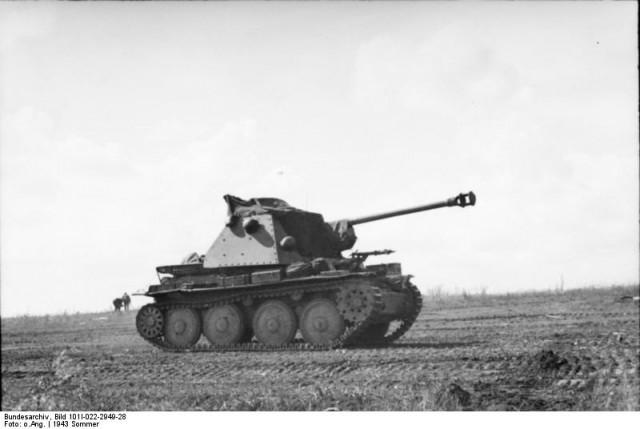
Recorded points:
(461, 200)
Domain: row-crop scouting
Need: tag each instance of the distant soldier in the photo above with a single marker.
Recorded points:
(117, 304)
(126, 300)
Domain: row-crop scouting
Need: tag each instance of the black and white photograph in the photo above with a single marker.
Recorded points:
(318, 206)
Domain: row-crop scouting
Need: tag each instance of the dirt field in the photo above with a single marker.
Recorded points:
(572, 350)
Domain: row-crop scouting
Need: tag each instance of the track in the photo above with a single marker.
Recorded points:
(351, 335)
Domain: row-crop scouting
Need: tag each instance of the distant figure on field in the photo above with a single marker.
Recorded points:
(126, 300)
(117, 304)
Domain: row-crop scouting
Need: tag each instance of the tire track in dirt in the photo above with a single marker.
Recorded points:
(353, 365)
(582, 368)
(498, 358)
(565, 315)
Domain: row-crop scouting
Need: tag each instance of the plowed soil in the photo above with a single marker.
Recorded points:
(574, 350)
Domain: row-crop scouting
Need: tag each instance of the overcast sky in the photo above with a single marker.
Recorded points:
(123, 125)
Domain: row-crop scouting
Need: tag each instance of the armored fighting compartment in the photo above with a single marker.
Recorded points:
(275, 278)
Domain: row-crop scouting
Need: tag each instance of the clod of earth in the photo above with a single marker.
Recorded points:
(548, 360)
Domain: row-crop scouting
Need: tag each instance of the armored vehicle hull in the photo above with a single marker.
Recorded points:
(275, 278)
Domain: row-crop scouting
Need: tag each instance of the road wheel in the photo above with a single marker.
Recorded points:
(274, 323)
(182, 327)
(223, 325)
(149, 321)
(321, 322)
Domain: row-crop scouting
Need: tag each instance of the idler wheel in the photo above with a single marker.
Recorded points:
(182, 327)
(274, 323)
(223, 325)
(149, 321)
(321, 322)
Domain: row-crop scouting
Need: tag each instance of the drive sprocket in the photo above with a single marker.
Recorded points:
(356, 302)
(385, 333)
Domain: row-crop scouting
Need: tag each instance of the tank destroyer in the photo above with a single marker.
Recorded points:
(275, 278)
